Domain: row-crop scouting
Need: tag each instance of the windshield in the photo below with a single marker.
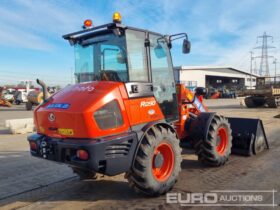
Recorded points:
(101, 58)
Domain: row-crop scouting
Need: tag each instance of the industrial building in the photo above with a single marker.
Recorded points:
(214, 77)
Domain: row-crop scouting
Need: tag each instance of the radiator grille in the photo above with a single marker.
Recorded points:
(120, 149)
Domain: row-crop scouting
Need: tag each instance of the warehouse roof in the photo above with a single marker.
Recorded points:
(205, 68)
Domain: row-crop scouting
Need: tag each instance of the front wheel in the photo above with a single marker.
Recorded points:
(28, 105)
(157, 163)
(271, 102)
(17, 102)
(215, 149)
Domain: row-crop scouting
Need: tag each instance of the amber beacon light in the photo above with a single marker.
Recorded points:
(117, 18)
(87, 23)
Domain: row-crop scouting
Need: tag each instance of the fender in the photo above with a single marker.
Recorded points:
(198, 128)
(145, 129)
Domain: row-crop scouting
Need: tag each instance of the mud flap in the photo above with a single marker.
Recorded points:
(248, 135)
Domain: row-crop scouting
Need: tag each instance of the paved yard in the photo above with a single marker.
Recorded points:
(30, 183)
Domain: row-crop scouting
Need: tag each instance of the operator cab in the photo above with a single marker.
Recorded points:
(136, 57)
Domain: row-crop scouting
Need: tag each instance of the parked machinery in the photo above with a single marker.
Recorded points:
(34, 98)
(20, 97)
(127, 116)
(8, 95)
(267, 93)
(3, 101)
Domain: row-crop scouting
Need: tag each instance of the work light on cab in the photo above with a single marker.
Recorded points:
(117, 18)
(87, 24)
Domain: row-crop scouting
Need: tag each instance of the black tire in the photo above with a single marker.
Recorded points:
(271, 102)
(141, 177)
(17, 102)
(84, 174)
(259, 101)
(250, 102)
(208, 149)
(28, 105)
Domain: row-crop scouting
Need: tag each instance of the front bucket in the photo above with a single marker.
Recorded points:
(248, 135)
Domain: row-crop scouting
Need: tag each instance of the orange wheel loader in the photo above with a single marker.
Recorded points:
(126, 115)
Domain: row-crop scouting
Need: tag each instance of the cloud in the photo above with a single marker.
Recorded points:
(12, 36)
(38, 24)
(222, 32)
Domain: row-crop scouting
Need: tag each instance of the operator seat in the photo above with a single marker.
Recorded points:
(109, 75)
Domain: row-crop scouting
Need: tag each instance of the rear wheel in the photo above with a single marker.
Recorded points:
(17, 102)
(216, 148)
(252, 102)
(249, 102)
(84, 174)
(259, 101)
(28, 105)
(157, 163)
(271, 102)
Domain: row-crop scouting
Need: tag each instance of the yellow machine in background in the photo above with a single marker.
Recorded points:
(4, 102)
(34, 98)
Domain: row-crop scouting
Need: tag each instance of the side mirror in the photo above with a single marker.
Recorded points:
(159, 51)
(186, 46)
(200, 91)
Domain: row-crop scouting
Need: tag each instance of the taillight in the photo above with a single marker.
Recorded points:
(82, 154)
(33, 145)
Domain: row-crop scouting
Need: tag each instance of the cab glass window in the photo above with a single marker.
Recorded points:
(101, 58)
(137, 58)
(163, 77)
(109, 116)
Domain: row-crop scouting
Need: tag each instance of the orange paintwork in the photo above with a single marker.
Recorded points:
(184, 94)
(84, 99)
(163, 172)
(183, 110)
(143, 110)
(215, 95)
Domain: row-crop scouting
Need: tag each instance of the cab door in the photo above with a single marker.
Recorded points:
(163, 77)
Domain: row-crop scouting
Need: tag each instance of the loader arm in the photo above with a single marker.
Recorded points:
(189, 105)
(248, 134)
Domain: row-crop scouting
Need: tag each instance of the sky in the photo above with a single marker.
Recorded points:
(222, 32)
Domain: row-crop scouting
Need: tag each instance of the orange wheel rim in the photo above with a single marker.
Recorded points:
(222, 140)
(163, 162)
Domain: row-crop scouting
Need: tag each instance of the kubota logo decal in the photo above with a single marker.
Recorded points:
(147, 103)
(51, 117)
(87, 88)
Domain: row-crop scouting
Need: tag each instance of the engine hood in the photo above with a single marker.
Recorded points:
(69, 112)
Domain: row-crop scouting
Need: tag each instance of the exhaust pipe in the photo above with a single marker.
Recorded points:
(44, 88)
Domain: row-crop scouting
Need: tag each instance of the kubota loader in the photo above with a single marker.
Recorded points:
(126, 115)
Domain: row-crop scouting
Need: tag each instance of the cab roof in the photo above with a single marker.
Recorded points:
(72, 37)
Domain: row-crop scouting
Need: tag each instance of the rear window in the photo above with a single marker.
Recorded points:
(109, 116)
